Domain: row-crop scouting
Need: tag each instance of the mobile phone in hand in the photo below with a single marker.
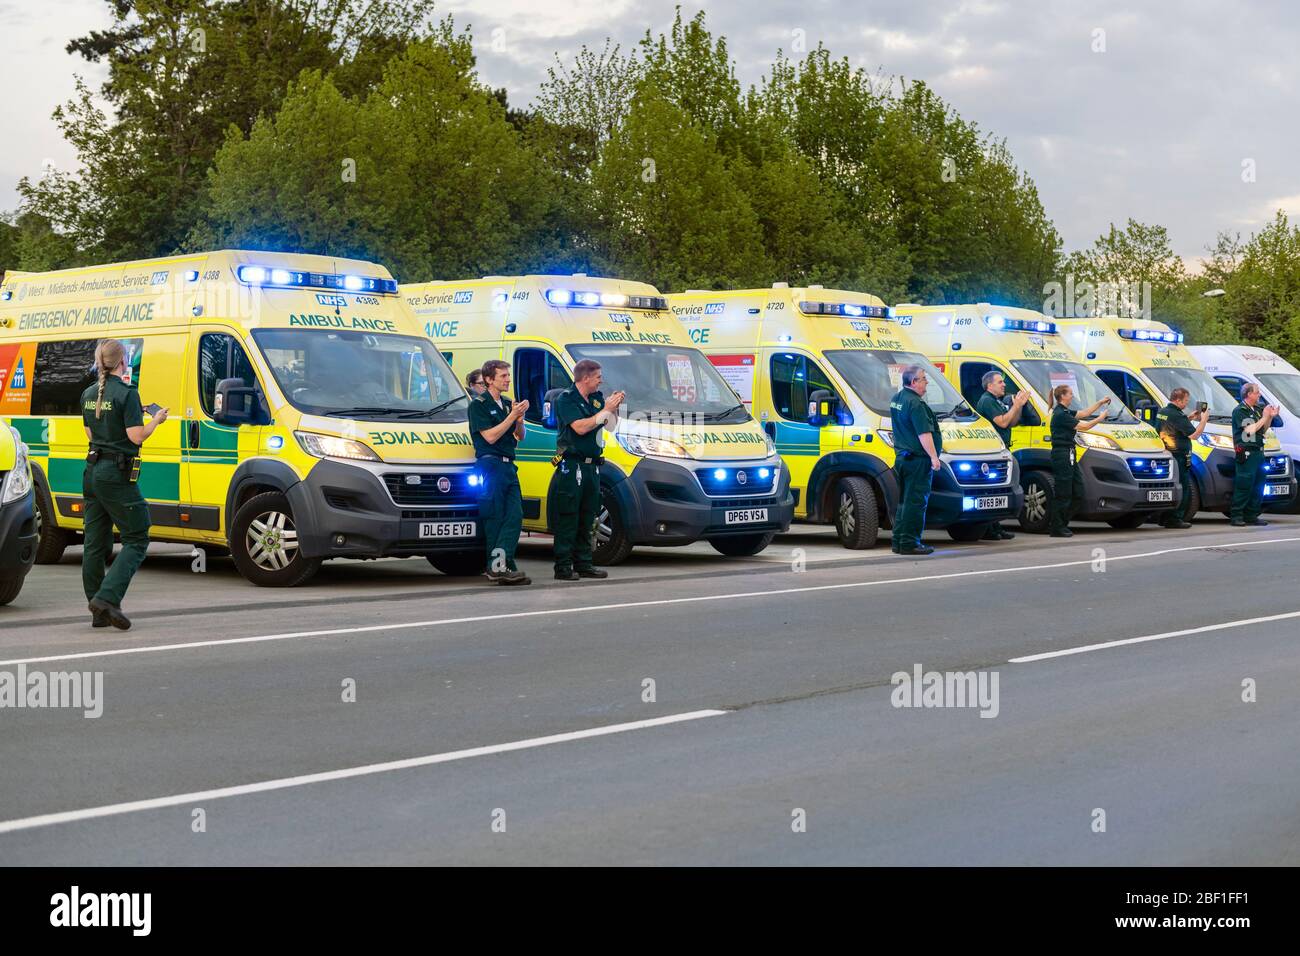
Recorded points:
(1202, 406)
(153, 408)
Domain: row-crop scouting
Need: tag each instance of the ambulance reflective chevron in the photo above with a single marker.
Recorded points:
(819, 368)
(1127, 474)
(1143, 361)
(688, 462)
(309, 416)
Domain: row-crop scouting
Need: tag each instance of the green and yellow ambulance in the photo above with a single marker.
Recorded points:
(819, 368)
(688, 462)
(1127, 473)
(1143, 361)
(309, 418)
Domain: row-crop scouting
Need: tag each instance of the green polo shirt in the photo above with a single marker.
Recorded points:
(990, 406)
(1064, 427)
(1242, 416)
(484, 413)
(1175, 429)
(570, 407)
(119, 410)
(911, 418)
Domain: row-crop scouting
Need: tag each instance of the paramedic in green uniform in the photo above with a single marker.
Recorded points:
(115, 426)
(497, 426)
(1067, 480)
(574, 494)
(1248, 426)
(1178, 432)
(1004, 416)
(917, 445)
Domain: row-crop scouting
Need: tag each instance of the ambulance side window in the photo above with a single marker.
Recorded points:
(794, 378)
(63, 371)
(972, 380)
(536, 372)
(1232, 383)
(221, 357)
(1127, 387)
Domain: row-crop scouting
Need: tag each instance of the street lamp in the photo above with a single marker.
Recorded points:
(1213, 294)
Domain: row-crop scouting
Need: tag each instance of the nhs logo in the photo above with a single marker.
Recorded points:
(714, 308)
(20, 376)
(861, 327)
(334, 300)
(461, 298)
(622, 318)
(158, 278)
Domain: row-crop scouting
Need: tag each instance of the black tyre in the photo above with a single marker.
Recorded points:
(1193, 502)
(967, 532)
(856, 520)
(1036, 513)
(9, 588)
(54, 540)
(611, 544)
(264, 543)
(742, 545)
(1134, 519)
(459, 564)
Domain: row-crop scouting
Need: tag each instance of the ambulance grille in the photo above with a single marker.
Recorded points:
(422, 488)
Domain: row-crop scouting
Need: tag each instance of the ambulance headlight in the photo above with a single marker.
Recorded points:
(332, 446)
(1217, 441)
(643, 447)
(886, 436)
(1089, 440)
(19, 481)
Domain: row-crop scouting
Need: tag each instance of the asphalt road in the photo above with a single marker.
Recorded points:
(515, 726)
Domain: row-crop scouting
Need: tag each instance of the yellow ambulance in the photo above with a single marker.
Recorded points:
(1127, 474)
(688, 461)
(309, 416)
(1143, 361)
(19, 520)
(819, 368)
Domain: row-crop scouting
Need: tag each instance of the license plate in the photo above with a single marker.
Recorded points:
(1271, 491)
(988, 504)
(447, 529)
(746, 515)
(1166, 495)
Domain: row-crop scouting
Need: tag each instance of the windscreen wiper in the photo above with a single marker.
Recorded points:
(430, 412)
(363, 410)
(734, 408)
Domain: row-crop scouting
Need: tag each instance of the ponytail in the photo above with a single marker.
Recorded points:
(109, 354)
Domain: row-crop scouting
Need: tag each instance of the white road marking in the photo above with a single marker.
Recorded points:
(622, 605)
(1245, 622)
(284, 783)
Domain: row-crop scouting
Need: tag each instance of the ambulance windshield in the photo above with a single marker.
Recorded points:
(665, 382)
(1199, 383)
(877, 375)
(1045, 374)
(348, 374)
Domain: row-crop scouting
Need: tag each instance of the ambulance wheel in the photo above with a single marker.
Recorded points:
(1036, 514)
(1134, 519)
(53, 540)
(264, 543)
(611, 544)
(856, 521)
(742, 545)
(1193, 502)
(9, 588)
(967, 532)
(459, 564)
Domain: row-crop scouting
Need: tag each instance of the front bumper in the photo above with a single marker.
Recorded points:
(949, 498)
(18, 535)
(1215, 476)
(1110, 491)
(664, 503)
(345, 510)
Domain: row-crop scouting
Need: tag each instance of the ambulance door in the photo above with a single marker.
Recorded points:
(535, 370)
(155, 362)
(210, 451)
(792, 380)
(1031, 431)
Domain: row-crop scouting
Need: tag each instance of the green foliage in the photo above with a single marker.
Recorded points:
(1261, 283)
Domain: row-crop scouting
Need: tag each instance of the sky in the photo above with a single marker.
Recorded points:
(1177, 113)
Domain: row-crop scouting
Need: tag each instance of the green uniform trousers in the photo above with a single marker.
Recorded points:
(1248, 487)
(915, 476)
(112, 500)
(573, 500)
(1067, 488)
(501, 508)
(1185, 483)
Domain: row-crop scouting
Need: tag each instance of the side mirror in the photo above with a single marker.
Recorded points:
(1145, 410)
(548, 409)
(822, 408)
(1029, 416)
(235, 403)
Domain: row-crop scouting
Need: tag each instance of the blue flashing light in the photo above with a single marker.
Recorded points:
(857, 311)
(559, 296)
(587, 298)
(965, 466)
(192, 275)
(765, 472)
(275, 442)
(996, 322)
(475, 480)
(254, 275)
(783, 338)
(968, 504)
(720, 474)
(353, 283)
(283, 276)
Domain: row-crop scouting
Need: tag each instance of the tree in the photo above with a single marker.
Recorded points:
(1261, 283)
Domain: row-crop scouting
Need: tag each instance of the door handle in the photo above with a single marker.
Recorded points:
(194, 434)
(770, 428)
